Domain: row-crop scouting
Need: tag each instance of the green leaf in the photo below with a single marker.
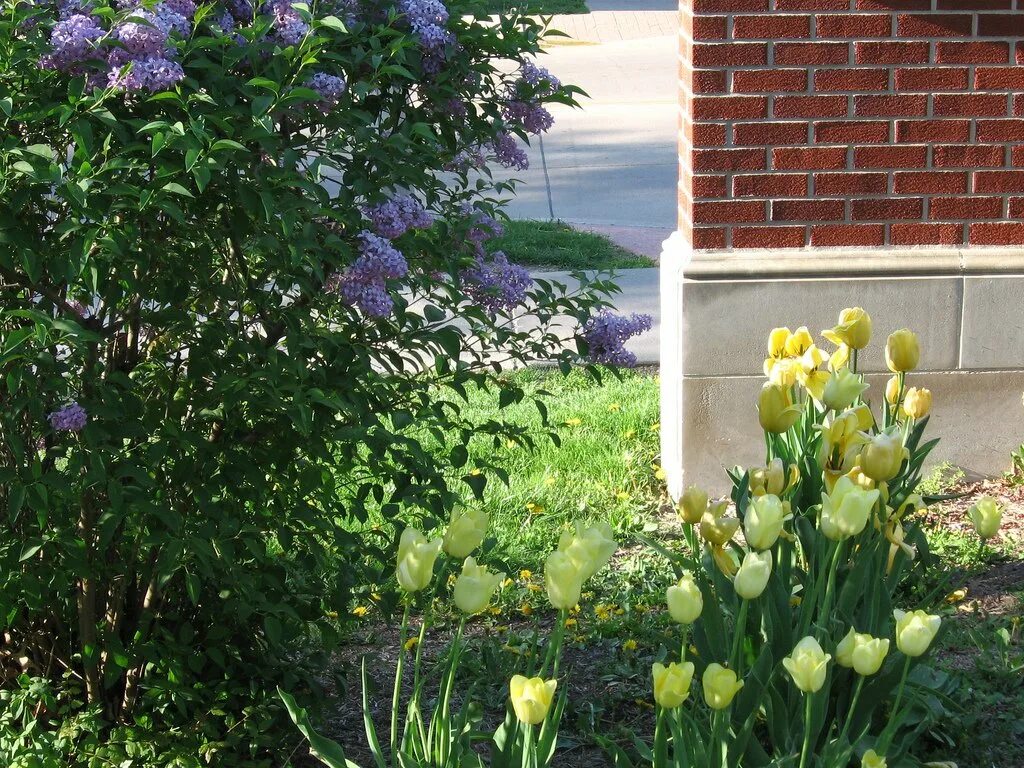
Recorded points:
(326, 751)
(176, 189)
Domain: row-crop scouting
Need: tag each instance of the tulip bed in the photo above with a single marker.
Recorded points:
(805, 606)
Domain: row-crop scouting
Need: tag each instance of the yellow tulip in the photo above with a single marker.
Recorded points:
(915, 631)
(917, 402)
(843, 387)
(872, 759)
(718, 530)
(853, 329)
(902, 351)
(774, 478)
(589, 547)
(416, 557)
(987, 516)
(883, 455)
(753, 575)
(725, 559)
(862, 652)
(892, 390)
(785, 373)
(685, 601)
(762, 523)
(777, 340)
(474, 587)
(840, 358)
(672, 683)
(720, 686)
(807, 665)
(775, 410)
(563, 580)
(846, 510)
(466, 532)
(531, 698)
(693, 505)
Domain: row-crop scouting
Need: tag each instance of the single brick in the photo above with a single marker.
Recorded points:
(1001, 25)
(807, 210)
(929, 182)
(859, 25)
(810, 159)
(966, 208)
(850, 183)
(768, 134)
(974, 5)
(730, 107)
(816, 54)
(1000, 130)
(889, 5)
(890, 53)
(769, 80)
(999, 78)
(885, 209)
(916, 131)
(890, 106)
(705, 238)
(812, 5)
(934, 25)
(988, 52)
(847, 234)
(1003, 233)
(707, 81)
(728, 212)
(729, 54)
(970, 105)
(729, 6)
(708, 135)
(931, 79)
(852, 132)
(890, 157)
(771, 27)
(1018, 105)
(926, 234)
(770, 185)
(709, 186)
(851, 79)
(999, 181)
(809, 106)
(710, 28)
(769, 237)
(968, 156)
(728, 160)
(1016, 207)
(1017, 157)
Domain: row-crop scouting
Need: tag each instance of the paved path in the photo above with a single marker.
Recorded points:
(610, 165)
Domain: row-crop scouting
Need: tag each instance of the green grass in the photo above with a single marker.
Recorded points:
(556, 245)
(535, 7)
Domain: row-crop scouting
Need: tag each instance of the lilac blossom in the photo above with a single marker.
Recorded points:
(364, 283)
(543, 82)
(466, 160)
(497, 284)
(484, 227)
(289, 26)
(74, 42)
(397, 216)
(153, 74)
(508, 153)
(70, 418)
(329, 87)
(533, 117)
(606, 333)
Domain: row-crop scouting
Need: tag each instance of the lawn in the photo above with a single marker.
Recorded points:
(534, 7)
(556, 245)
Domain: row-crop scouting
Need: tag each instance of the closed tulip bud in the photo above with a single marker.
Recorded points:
(563, 580)
(846, 510)
(589, 547)
(753, 575)
(917, 402)
(892, 390)
(987, 516)
(774, 478)
(882, 456)
(862, 652)
(785, 373)
(762, 523)
(718, 530)
(915, 631)
(474, 587)
(902, 351)
(807, 665)
(872, 759)
(416, 557)
(466, 532)
(693, 505)
(842, 388)
(531, 698)
(685, 601)
(853, 329)
(775, 409)
(720, 686)
(672, 683)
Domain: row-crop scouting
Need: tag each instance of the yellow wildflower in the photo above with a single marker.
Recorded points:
(525, 609)
(570, 623)
(573, 422)
(411, 643)
(957, 595)
(614, 408)
(533, 508)
(630, 645)
(525, 575)
(360, 611)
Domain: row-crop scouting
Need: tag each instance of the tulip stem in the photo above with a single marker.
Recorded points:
(853, 708)
(553, 656)
(805, 750)
(529, 753)
(396, 693)
(737, 641)
(890, 727)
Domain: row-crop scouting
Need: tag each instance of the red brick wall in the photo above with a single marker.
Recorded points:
(851, 122)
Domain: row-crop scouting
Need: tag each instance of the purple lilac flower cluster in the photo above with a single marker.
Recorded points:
(427, 18)
(289, 26)
(398, 215)
(535, 118)
(523, 107)
(364, 284)
(497, 284)
(70, 418)
(508, 153)
(330, 87)
(606, 333)
(484, 227)
(466, 160)
(542, 81)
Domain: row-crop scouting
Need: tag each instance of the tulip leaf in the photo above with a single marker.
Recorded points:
(325, 750)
